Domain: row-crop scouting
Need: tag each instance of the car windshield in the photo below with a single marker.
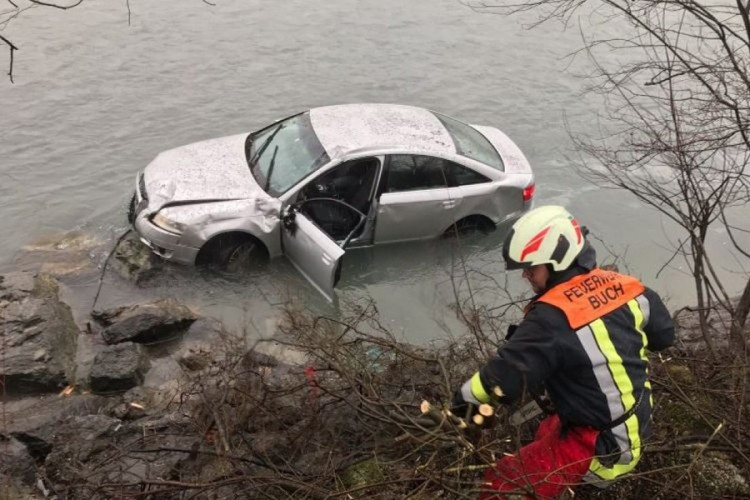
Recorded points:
(281, 155)
(471, 143)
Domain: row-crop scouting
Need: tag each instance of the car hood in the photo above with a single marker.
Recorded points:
(210, 170)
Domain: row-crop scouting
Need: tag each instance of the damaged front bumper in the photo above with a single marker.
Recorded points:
(163, 243)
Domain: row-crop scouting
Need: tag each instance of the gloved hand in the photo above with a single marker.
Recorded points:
(462, 408)
(467, 399)
(478, 415)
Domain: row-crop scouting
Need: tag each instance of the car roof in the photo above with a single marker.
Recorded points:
(348, 128)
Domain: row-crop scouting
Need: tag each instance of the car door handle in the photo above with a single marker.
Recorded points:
(326, 259)
(449, 203)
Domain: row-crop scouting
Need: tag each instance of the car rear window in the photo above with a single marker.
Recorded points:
(459, 175)
(471, 143)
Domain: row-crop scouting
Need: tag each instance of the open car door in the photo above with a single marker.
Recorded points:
(315, 254)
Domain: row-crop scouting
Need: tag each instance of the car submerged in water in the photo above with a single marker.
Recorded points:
(325, 180)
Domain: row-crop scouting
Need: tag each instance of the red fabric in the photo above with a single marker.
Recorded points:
(546, 466)
(312, 380)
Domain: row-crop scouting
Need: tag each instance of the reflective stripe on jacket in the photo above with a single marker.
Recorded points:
(586, 300)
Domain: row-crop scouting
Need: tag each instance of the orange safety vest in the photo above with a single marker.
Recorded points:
(587, 297)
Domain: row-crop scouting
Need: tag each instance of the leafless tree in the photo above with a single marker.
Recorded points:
(16, 8)
(678, 124)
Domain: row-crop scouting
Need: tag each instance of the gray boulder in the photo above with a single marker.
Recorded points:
(15, 461)
(34, 421)
(134, 261)
(118, 368)
(17, 471)
(103, 454)
(720, 477)
(144, 323)
(40, 334)
(201, 345)
(78, 438)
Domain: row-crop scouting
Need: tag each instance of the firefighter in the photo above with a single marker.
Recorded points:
(584, 338)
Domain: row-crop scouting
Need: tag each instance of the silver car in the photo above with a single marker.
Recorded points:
(330, 178)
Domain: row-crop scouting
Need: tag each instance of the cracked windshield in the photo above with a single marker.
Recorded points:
(363, 249)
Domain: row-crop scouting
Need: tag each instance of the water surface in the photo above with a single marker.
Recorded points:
(96, 99)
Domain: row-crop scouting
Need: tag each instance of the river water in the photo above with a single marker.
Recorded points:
(99, 92)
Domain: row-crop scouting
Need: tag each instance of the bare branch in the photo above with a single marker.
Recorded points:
(57, 6)
(12, 48)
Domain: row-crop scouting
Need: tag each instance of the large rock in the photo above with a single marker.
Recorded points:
(15, 461)
(103, 454)
(118, 368)
(34, 421)
(39, 334)
(17, 471)
(200, 345)
(688, 333)
(78, 438)
(144, 323)
(720, 477)
(134, 261)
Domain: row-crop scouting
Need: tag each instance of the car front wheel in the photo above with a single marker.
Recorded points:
(233, 253)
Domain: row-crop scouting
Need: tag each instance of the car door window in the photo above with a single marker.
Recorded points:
(458, 175)
(413, 172)
(350, 183)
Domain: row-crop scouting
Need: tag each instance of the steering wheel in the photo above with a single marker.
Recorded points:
(322, 189)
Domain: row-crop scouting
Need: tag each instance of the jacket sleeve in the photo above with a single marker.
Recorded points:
(659, 328)
(528, 357)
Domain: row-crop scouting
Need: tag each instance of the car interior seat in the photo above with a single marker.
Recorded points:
(359, 194)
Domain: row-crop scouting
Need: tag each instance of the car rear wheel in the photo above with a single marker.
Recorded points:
(233, 253)
(470, 225)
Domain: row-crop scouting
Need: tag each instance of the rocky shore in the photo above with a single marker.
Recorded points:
(66, 388)
(73, 383)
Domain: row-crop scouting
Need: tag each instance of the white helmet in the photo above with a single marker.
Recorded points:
(545, 235)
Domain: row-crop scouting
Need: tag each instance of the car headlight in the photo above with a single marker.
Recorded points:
(168, 224)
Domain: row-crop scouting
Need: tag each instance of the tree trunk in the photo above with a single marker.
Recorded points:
(703, 311)
(740, 314)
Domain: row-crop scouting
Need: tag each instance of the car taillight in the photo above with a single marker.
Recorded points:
(528, 192)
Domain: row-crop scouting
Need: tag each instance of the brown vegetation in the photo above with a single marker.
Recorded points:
(349, 423)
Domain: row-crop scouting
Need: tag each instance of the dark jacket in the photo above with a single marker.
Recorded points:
(544, 351)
